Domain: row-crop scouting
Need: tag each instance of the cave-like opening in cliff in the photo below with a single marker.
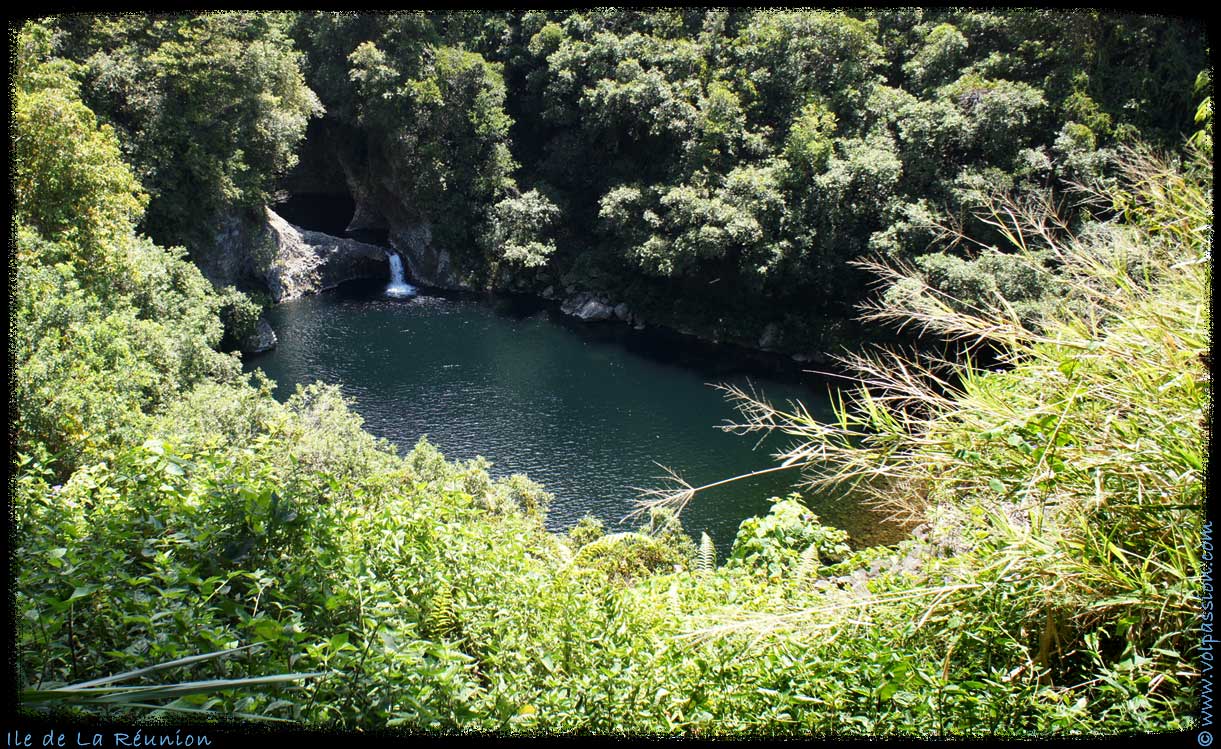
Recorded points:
(315, 194)
(327, 212)
(326, 209)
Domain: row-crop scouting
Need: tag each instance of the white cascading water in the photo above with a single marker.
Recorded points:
(398, 288)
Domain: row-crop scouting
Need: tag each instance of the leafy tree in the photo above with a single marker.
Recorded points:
(432, 113)
(939, 58)
(106, 325)
(69, 179)
(211, 106)
(518, 225)
(810, 144)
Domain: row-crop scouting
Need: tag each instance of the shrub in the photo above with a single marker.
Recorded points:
(775, 543)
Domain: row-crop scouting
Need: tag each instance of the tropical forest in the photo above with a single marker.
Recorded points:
(649, 373)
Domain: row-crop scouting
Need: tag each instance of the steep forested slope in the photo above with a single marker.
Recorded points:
(718, 171)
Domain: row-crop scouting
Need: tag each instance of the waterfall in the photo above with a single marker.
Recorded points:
(398, 288)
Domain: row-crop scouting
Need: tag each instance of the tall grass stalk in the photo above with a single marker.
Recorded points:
(110, 692)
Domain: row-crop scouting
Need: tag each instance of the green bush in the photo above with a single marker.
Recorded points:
(587, 529)
(779, 541)
(162, 82)
(239, 314)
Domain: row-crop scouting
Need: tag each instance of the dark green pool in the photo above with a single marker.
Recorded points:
(586, 409)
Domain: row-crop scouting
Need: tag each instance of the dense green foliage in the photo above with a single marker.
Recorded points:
(416, 103)
(164, 507)
(211, 108)
(105, 326)
(705, 160)
(689, 163)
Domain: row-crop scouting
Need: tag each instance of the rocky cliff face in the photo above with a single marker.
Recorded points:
(263, 251)
(234, 250)
(262, 339)
(426, 263)
(306, 262)
(266, 252)
(378, 207)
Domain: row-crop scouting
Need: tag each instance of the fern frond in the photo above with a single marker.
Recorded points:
(706, 560)
(441, 623)
(807, 568)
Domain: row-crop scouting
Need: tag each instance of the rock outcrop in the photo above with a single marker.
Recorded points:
(585, 306)
(262, 339)
(426, 263)
(234, 249)
(306, 262)
(590, 307)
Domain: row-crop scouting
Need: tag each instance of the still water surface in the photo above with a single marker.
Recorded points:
(588, 410)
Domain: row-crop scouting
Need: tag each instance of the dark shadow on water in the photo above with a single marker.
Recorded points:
(713, 361)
